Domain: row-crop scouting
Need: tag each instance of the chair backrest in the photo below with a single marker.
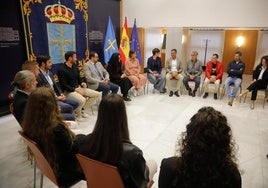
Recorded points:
(99, 174)
(40, 159)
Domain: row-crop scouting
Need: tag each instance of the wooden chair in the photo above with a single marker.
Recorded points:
(98, 174)
(40, 161)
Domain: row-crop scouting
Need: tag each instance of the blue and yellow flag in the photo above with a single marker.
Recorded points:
(110, 44)
(135, 44)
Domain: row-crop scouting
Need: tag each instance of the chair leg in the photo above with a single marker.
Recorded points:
(222, 92)
(92, 111)
(245, 97)
(34, 174)
(41, 181)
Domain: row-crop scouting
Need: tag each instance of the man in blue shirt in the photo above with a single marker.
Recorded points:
(235, 71)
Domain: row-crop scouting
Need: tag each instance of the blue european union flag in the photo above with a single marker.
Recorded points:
(135, 44)
(61, 38)
(110, 44)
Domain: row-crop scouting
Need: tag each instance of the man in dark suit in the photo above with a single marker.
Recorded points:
(25, 82)
(45, 78)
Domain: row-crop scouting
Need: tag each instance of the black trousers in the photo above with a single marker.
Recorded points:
(254, 87)
(125, 84)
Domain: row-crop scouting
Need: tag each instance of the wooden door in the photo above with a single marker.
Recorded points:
(248, 48)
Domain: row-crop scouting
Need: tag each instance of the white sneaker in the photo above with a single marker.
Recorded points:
(79, 118)
(72, 124)
(140, 91)
(84, 114)
(133, 91)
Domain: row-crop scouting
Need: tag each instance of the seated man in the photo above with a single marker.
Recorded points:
(25, 82)
(235, 71)
(75, 87)
(214, 72)
(174, 70)
(154, 75)
(97, 77)
(45, 77)
(193, 71)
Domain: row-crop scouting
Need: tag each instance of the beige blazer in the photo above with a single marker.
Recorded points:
(168, 65)
(92, 76)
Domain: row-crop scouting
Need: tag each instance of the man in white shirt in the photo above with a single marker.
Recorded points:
(174, 70)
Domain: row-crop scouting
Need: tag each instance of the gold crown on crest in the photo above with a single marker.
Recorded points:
(58, 13)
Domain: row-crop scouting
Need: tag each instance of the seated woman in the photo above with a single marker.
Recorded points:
(132, 71)
(109, 143)
(206, 158)
(43, 123)
(260, 80)
(114, 69)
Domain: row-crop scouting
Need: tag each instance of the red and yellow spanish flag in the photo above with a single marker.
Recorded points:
(124, 43)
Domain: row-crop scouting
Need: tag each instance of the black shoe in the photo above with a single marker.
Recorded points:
(205, 96)
(126, 99)
(171, 93)
(194, 92)
(176, 93)
(215, 96)
(163, 90)
(190, 92)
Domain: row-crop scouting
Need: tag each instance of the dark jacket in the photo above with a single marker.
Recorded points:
(264, 81)
(132, 166)
(236, 70)
(171, 176)
(42, 81)
(69, 170)
(20, 100)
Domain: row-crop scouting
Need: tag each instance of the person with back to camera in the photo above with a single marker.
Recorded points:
(109, 143)
(207, 155)
(44, 124)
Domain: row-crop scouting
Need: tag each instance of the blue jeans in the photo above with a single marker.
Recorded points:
(196, 80)
(158, 82)
(232, 80)
(105, 88)
(67, 108)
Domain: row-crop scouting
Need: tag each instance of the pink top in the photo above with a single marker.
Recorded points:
(132, 67)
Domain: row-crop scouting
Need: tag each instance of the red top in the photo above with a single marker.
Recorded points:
(219, 70)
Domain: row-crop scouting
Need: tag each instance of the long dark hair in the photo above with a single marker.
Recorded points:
(111, 129)
(114, 60)
(207, 150)
(41, 116)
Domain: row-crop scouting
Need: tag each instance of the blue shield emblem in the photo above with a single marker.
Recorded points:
(61, 38)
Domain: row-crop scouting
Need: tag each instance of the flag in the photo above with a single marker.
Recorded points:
(124, 43)
(110, 44)
(135, 44)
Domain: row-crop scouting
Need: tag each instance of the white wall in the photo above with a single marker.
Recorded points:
(196, 13)
(262, 46)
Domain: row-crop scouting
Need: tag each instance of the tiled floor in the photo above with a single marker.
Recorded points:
(155, 122)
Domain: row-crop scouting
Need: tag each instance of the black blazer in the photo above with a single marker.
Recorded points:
(264, 81)
(20, 100)
(42, 81)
